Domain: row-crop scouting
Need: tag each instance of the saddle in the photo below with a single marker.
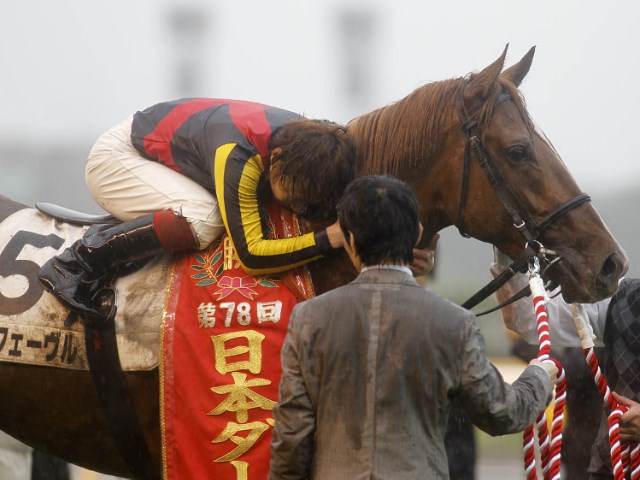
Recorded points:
(75, 217)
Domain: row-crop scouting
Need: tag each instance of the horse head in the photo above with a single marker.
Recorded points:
(475, 159)
(528, 190)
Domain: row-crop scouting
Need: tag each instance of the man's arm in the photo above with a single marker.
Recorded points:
(295, 427)
(492, 404)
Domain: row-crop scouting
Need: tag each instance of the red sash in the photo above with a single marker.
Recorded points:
(220, 370)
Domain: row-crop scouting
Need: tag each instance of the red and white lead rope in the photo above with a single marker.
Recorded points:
(625, 458)
(550, 450)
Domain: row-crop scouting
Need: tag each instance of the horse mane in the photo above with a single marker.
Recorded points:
(404, 134)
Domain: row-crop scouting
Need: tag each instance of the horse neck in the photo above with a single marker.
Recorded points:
(413, 140)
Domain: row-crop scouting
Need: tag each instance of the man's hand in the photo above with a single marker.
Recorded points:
(335, 235)
(630, 420)
(500, 259)
(424, 258)
(550, 367)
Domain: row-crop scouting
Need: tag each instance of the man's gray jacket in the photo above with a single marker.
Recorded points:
(369, 372)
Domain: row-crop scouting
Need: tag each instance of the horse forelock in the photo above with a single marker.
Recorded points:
(518, 100)
(484, 113)
(405, 133)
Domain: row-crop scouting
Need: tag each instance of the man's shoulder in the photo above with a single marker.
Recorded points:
(418, 296)
(419, 293)
(327, 297)
(332, 297)
(308, 311)
(445, 303)
(439, 307)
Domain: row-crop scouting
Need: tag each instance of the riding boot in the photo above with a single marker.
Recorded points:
(80, 276)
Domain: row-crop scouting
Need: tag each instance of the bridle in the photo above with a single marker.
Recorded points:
(523, 221)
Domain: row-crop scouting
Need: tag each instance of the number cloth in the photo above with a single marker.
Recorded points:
(222, 334)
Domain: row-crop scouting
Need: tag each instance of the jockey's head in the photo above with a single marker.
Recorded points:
(312, 162)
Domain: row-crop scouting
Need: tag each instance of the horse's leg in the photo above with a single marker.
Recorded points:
(58, 412)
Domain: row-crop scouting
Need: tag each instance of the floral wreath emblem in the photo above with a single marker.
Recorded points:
(210, 269)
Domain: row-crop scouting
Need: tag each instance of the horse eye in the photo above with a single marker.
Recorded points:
(518, 154)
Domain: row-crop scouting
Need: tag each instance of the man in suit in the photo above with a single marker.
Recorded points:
(370, 369)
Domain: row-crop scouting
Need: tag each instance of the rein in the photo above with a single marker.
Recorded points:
(625, 457)
(523, 221)
(545, 256)
(549, 442)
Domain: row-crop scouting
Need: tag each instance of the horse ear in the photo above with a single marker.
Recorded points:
(481, 83)
(517, 72)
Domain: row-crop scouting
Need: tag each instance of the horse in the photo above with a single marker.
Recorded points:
(470, 151)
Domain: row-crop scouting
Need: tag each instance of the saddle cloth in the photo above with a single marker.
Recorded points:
(32, 321)
(221, 339)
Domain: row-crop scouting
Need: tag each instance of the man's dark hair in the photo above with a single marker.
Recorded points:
(382, 214)
(318, 157)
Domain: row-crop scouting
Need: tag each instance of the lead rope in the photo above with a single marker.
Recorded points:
(550, 451)
(625, 459)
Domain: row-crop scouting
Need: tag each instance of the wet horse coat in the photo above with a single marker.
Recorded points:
(419, 139)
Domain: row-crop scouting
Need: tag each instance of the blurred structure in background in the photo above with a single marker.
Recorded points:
(357, 31)
(190, 27)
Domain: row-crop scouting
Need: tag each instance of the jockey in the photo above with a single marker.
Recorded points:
(180, 173)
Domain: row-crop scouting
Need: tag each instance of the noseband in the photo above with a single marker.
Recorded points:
(523, 221)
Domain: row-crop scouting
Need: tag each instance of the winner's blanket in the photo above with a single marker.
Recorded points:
(220, 369)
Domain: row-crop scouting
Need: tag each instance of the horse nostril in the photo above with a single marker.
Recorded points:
(612, 268)
(609, 266)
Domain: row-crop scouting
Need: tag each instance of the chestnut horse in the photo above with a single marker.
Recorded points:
(437, 139)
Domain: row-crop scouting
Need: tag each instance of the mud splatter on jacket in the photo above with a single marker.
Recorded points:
(409, 354)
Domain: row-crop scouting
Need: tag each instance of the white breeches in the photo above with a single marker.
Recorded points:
(15, 458)
(128, 186)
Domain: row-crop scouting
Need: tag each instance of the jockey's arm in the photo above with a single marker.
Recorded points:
(236, 180)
